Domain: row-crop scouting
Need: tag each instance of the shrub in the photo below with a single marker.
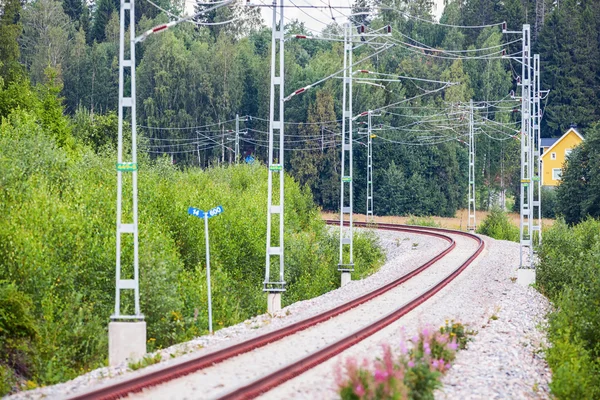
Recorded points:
(413, 374)
(569, 274)
(548, 202)
(57, 240)
(422, 221)
(498, 226)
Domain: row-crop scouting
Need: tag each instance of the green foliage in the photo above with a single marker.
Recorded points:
(549, 202)
(422, 221)
(578, 195)
(569, 274)
(498, 226)
(57, 241)
(145, 361)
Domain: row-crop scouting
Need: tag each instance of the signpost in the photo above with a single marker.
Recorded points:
(206, 215)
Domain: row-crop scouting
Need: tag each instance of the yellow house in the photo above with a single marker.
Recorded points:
(554, 154)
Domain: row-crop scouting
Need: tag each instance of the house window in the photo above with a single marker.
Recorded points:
(567, 152)
(553, 156)
(556, 173)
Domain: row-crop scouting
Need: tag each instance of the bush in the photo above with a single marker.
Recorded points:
(57, 240)
(498, 226)
(413, 374)
(422, 221)
(569, 274)
(548, 202)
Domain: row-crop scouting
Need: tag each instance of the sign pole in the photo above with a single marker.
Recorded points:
(210, 329)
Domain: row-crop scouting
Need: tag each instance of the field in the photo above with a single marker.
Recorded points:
(459, 221)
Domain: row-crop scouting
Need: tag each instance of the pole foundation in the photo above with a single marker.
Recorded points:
(526, 276)
(126, 341)
(273, 302)
(346, 278)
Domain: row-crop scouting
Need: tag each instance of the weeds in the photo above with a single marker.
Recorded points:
(145, 361)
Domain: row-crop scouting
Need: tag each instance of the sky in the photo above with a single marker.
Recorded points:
(314, 19)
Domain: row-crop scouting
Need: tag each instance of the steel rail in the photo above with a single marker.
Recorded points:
(153, 378)
(296, 368)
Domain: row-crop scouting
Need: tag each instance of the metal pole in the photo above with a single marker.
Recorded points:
(526, 156)
(210, 329)
(472, 224)
(346, 177)
(276, 287)
(369, 168)
(127, 167)
(536, 216)
(237, 139)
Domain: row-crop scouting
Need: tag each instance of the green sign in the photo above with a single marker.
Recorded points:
(346, 179)
(276, 167)
(127, 167)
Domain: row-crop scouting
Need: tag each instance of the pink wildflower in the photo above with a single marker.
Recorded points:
(435, 364)
(426, 348)
(448, 365)
(453, 345)
(415, 339)
(411, 364)
(359, 390)
(425, 332)
(381, 376)
(403, 348)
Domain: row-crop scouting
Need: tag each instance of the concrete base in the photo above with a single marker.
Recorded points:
(126, 341)
(273, 302)
(346, 278)
(525, 277)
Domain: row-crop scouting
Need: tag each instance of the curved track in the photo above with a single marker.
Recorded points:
(135, 384)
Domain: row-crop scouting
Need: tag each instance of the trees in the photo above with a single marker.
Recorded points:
(578, 195)
(10, 30)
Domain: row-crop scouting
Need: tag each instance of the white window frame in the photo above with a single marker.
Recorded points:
(556, 174)
(553, 156)
(567, 152)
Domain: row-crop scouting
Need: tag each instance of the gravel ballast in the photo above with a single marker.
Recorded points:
(503, 361)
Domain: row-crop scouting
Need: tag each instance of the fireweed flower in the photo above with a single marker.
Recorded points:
(381, 376)
(359, 390)
(426, 348)
(411, 364)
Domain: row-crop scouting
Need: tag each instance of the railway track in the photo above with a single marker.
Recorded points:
(289, 371)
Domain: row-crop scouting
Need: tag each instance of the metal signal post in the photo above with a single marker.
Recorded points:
(346, 262)
(275, 244)
(536, 117)
(526, 273)
(370, 136)
(127, 102)
(472, 223)
(135, 332)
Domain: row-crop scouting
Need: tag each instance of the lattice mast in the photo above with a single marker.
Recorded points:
(536, 116)
(346, 261)
(527, 161)
(127, 102)
(275, 210)
(472, 223)
(370, 217)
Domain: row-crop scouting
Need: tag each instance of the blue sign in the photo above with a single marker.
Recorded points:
(196, 212)
(215, 211)
(200, 214)
(249, 160)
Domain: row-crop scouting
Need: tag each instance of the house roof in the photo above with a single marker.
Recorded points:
(561, 138)
(547, 142)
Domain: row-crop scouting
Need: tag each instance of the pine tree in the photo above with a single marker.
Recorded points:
(10, 30)
(104, 10)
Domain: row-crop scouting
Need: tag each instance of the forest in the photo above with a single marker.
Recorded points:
(193, 80)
